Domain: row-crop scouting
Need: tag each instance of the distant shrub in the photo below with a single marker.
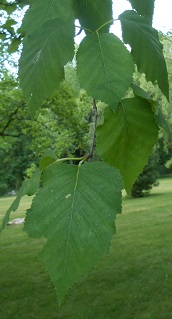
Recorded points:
(146, 180)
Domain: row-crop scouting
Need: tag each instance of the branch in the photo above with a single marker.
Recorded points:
(90, 155)
(10, 135)
(2, 133)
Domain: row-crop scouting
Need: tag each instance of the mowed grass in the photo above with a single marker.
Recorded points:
(134, 282)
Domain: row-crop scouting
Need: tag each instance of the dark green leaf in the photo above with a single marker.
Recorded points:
(127, 137)
(146, 48)
(159, 116)
(42, 62)
(161, 120)
(29, 187)
(10, 22)
(100, 71)
(144, 7)
(75, 210)
(42, 11)
(2, 36)
(8, 8)
(93, 14)
(14, 45)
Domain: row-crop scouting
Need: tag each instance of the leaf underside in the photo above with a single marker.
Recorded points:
(75, 210)
(99, 70)
(43, 11)
(144, 8)
(126, 138)
(93, 14)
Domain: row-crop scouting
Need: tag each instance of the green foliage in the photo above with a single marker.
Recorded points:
(15, 152)
(76, 206)
(163, 156)
(24, 141)
(15, 157)
(10, 31)
(3, 189)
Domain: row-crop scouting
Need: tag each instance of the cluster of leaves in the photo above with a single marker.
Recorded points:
(76, 205)
(10, 31)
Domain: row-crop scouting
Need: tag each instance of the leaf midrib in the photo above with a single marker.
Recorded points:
(70, 224)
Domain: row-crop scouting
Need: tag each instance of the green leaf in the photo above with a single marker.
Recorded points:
(138, 91)
(29, 187)
(14, 45)
(3, 36)
(10, 30)
(10, 22)
(159, 116)
(93, 14)
(46, 161)
(146, 48)
(127, 137)
(144, 8)
(42, 11)
(100, 71)
(75, 210)
(161, 120)
(42, 62)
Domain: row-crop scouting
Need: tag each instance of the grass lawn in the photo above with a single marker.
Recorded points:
(134, 282)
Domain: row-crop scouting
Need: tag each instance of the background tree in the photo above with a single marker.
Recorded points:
(146, 180)
(62, 127)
